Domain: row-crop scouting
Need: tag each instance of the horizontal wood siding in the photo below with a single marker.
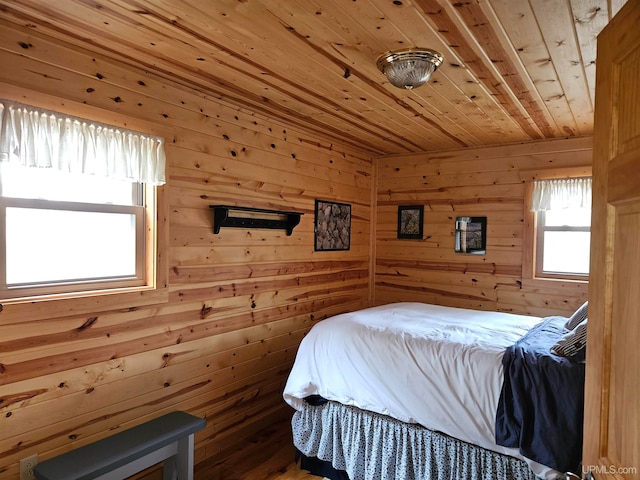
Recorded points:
(471, 182)
(239, 302)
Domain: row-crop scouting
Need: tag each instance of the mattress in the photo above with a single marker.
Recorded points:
(436, 366)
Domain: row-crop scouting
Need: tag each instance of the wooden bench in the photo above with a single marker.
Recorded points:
(168, 438)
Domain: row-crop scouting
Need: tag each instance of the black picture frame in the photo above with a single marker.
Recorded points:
(332, 226)
(410, 221)
(471, 235)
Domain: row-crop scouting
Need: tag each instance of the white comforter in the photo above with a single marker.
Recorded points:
(436, 366)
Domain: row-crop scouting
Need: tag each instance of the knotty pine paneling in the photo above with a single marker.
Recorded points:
(239, 302)
(221, 341)
(469, 182)
(513, 70)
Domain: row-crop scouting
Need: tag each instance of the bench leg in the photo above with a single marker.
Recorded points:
(169, 468)
(180, 466)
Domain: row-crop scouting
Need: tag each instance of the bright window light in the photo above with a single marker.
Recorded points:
(69, 233)
(46, 245)
(563, 242)
(566, 252)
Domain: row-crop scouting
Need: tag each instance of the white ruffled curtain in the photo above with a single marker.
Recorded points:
(562, 193)
(39, 138)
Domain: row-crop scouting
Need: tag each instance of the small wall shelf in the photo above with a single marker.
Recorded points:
(245, 217)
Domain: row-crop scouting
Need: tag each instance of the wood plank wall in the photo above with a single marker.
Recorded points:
(238, 302)
(472, 182)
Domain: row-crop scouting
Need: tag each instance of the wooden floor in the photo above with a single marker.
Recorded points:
(269, 456)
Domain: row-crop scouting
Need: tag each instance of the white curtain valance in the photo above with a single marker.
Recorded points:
(562, 193)
(34, 137)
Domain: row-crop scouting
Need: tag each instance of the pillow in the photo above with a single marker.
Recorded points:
(573, 344)
(577, 318)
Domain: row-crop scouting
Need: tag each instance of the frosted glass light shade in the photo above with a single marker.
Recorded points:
(409, 68)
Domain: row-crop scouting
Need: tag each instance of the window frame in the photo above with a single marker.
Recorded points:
(73, 286)
(530, 277)
(154, 290)
(540, 230)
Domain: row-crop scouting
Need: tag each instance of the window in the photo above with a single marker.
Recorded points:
(76, 204)
(563, 224)
(563, 242)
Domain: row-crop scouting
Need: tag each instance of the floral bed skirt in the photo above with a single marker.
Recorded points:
(369, 446)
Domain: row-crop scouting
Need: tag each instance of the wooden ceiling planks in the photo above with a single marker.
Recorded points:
(521, 26)
(590, 17)
(276, 83)
(450, 111)
(514, 70)
(473, 98)
(466, 101)
(332, 68)
(289, 13)
(557, 26)
(455, 34)
(184, 70)
(487, 31)
(349, 46)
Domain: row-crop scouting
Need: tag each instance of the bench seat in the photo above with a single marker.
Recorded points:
(168, 438)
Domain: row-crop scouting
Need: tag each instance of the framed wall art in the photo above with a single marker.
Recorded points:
(410, 221)
(332, 226)
(471, 235)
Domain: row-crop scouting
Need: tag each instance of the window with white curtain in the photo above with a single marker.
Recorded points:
(76, 200)
(563, 227)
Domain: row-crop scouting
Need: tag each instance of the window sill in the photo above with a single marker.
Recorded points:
(543, 282)
(13, 311)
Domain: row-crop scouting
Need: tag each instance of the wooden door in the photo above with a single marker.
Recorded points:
(612, 397)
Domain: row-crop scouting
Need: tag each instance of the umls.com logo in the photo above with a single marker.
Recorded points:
(609, 470)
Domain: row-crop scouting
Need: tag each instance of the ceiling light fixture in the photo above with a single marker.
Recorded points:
(409, 68)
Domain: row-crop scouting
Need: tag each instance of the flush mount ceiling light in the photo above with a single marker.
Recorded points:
(409, 68)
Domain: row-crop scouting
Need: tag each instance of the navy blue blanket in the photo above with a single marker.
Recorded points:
(541, 405)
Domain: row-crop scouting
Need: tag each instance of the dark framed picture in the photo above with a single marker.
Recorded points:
(332, 226)
(410, 221)
(471, 235)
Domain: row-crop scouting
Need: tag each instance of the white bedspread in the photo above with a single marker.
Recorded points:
(436, 366)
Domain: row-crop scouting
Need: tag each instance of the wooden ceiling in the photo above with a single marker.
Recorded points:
(514, 70)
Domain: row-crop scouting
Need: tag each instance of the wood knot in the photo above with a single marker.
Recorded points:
(204, 311)
(90, 321)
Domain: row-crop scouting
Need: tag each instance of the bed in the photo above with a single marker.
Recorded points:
(412, 390)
